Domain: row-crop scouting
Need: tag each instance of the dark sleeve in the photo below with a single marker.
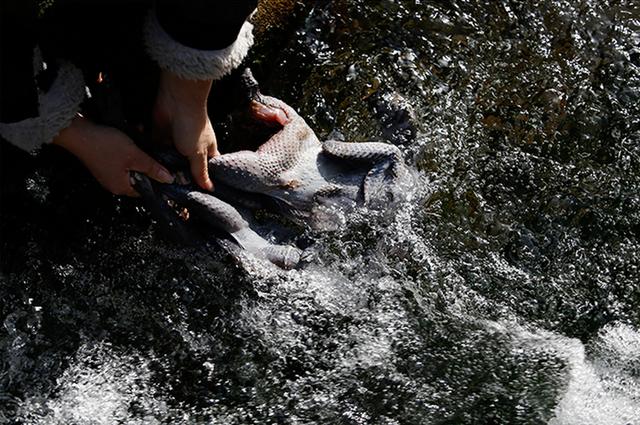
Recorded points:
(202, 24)
(199, 39)
(18, 93)
(36, 101)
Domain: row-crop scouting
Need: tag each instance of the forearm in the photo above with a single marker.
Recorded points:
(190, 94)
(76, 137)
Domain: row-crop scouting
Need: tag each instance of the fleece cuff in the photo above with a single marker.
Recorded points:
(195, 64)
(56, 109)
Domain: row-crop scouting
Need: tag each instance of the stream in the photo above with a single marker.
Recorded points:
(504, 290)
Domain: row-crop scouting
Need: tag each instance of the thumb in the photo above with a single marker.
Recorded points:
(145, 164)
(200, 172)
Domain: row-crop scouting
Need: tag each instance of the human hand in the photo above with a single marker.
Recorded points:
(109, 155)
(180, 118)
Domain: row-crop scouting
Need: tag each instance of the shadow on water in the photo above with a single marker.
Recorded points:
(505, 290)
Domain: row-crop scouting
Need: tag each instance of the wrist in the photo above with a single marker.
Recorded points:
(189, 94)
(73, 137)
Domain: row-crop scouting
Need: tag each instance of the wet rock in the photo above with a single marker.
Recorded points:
(396, 116)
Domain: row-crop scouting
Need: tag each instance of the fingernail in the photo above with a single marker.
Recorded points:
(165, 176)
(208, 185)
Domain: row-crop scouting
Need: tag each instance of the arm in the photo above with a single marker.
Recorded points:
(195, 43)
(180, 117)
(36, 110)
(31, 115)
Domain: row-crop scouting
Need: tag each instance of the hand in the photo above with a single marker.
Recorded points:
(180, 118)
(109, 155)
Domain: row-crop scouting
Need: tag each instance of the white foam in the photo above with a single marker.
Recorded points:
(99, 387)
(600, 389)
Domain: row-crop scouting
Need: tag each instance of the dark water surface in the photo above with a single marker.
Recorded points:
(506, 290)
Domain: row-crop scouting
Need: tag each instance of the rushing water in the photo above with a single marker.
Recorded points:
(505, 290)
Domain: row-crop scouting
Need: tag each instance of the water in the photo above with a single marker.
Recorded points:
(505, 290)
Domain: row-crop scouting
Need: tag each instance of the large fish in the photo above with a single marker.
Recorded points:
(293, 174)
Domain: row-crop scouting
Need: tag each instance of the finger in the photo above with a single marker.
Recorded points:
(149, 166)
(123, 187)
(200, 172)
(213, 150)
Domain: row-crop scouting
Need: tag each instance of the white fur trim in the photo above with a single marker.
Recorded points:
(195, 64)
(56, 108)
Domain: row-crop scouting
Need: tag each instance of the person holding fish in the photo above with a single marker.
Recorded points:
(58, 57)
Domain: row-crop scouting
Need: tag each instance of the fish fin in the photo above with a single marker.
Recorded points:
(284, 256)
(377, 181)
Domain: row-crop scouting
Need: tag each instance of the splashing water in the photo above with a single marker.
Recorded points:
(102, 386)
(505, 289)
